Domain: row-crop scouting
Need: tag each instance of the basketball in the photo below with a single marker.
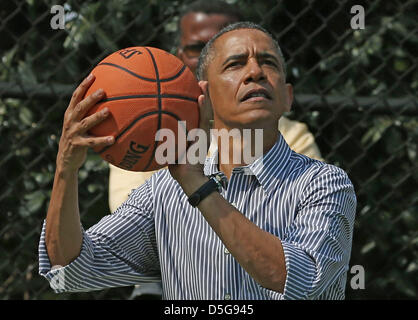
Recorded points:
(147, 89)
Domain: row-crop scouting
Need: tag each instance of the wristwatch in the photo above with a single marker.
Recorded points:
(216, 182)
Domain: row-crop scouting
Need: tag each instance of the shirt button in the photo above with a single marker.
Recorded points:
(226, 251)
(227, 296)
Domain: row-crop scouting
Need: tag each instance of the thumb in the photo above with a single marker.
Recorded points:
(205, 106)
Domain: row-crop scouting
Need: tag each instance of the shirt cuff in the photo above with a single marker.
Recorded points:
(301, 272)
(63, 278)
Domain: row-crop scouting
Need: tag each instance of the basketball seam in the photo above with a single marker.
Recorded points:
(140, 96)
(178, 74)
(135, 121)
(157, 77)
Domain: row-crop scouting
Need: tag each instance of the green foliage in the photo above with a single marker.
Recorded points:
(324, 56)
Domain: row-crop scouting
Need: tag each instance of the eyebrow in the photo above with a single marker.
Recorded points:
(244, 55)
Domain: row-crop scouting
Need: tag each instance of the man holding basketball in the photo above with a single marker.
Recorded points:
(280, 229)
(197, 25)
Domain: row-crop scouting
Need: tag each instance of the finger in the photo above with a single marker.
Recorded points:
(81, 90)
(94, 142)
(89, 122)
(205, 106)
(204, 86)
(201, 101)
(86, 104)
(204, 99)
(205, 109)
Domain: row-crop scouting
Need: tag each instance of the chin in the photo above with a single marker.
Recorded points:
(257, 119)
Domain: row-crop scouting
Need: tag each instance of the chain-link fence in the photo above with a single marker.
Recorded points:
(354, 88)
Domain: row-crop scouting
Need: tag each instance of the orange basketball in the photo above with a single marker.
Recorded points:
(146, 89)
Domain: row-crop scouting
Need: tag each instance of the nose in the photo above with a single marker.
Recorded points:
(254, 71)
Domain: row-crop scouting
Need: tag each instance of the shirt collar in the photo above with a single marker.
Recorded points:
(269, 169)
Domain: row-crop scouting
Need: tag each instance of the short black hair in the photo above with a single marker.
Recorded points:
(212, 7)
(209, 7)
(206, 54)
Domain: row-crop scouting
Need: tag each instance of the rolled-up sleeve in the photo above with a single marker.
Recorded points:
(120, 250)
(317, 245)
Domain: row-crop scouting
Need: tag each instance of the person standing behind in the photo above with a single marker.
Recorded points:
(197, 25)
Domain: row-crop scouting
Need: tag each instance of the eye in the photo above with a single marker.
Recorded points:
(270, 63)
(193, 50)
(233, 64)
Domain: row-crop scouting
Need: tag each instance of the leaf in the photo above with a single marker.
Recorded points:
(42, 178)
(26, 116)
(368, 247)
(376, 131)
(400, 65)
(34, 201)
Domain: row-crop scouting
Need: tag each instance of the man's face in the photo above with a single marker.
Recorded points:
(196, 30)
(246, 81)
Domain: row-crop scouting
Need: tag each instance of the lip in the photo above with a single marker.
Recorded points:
(256, 90)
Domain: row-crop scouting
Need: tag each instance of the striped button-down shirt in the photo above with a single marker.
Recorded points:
(157, 235)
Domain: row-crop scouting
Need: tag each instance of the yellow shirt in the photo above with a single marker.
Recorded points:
(296, 134)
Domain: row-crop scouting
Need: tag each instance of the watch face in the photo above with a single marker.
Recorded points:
(222, 179)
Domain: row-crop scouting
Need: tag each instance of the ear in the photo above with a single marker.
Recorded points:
(289, 91)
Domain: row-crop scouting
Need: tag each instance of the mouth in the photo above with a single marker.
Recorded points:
(256, 95)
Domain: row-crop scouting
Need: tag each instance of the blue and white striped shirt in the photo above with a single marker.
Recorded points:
(156, 234)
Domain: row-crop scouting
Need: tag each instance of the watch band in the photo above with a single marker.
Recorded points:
(216, 183)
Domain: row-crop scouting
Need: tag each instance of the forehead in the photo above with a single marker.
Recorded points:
(199, 26)
(244, 41)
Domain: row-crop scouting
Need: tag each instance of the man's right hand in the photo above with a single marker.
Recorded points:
(75, 140)
(63, 234)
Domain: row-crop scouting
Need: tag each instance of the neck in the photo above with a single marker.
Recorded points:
(241, 147)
